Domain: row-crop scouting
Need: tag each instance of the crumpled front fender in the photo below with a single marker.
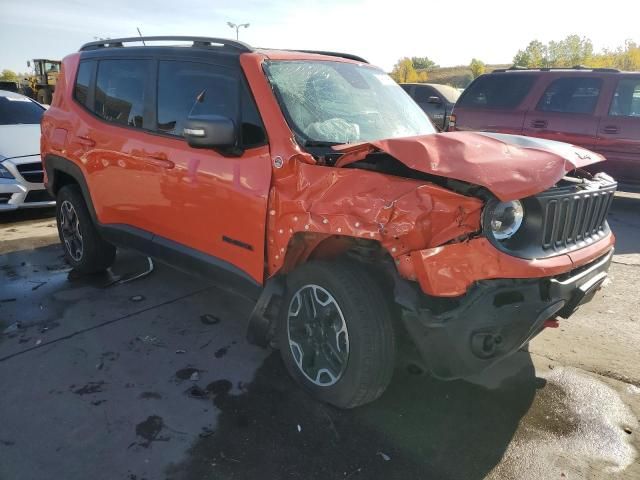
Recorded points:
(401, 214)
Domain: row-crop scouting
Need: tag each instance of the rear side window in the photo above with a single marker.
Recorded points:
(626, 100)
(221, 92)
(571, 95)
(497, 91)
(83, 80)
(423, 93)
(121, 87)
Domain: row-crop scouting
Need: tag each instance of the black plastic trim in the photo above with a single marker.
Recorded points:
(54, 164)
(237, 243)
(348, 56)
(462, 336)
(171, 252)
(197, 42)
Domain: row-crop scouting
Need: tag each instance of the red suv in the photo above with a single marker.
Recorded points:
(315, 179)
(598, 109)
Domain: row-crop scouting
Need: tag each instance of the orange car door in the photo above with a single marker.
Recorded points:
(212, 204)
(111, 143)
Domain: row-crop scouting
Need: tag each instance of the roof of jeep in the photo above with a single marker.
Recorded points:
(211, 45)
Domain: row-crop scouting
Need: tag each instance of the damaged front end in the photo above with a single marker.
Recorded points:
(488, 236)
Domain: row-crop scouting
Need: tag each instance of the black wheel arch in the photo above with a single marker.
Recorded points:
(61, 172)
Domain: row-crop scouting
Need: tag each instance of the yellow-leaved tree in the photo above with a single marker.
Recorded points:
(404, 71)
(477, 67)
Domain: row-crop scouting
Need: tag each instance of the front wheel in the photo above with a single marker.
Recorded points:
(335, 333)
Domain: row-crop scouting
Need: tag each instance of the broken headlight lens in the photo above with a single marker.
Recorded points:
(4, 173)
(505, 218)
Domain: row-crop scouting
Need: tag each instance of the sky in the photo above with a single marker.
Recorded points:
(450, 33)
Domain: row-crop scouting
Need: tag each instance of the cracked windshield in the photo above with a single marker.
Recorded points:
(337, 102)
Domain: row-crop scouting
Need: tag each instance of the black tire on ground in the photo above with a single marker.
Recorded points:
(44, 96)
(96, 254)
(371, 336)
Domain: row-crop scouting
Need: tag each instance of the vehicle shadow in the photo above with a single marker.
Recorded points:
(27, 214)
(420, 428)
(624, 219)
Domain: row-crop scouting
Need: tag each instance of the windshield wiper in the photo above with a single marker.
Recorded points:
(320, 143)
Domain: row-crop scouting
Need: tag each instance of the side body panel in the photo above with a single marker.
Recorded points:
(193, 197)
(574, 128)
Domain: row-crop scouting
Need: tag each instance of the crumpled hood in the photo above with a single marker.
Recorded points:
(510, 166)
(19, 140)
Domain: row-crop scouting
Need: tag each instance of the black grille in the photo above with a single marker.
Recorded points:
(31, 172)
(572, 218)
(38, 196)
(564, 218)
(5, 197)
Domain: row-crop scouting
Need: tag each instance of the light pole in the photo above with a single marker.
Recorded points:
(238, 27)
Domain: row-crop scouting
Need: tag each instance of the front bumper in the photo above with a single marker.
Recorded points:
(462, 336)
(18, 192)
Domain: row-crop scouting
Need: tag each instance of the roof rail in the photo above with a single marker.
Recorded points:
(197, 42)
(518, 68)
(334, 54)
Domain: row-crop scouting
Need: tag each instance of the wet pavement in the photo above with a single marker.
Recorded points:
(153, 379)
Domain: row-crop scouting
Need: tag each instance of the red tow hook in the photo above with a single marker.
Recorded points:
(551, 323)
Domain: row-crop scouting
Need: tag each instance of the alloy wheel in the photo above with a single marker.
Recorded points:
(70, 228)
(318, 336)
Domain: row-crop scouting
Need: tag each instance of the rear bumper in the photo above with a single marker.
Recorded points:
(462, 336)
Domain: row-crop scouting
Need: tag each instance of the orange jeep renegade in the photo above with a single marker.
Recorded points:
(315, 177)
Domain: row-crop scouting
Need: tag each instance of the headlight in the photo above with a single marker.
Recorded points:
(505, 218)
(4, 173)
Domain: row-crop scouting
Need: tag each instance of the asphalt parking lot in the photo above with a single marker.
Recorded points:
(117, 377)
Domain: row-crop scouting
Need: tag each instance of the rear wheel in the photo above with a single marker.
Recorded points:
(335, 333)
(84, 249)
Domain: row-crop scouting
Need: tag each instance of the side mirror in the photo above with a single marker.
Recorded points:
(434, 99)
(28, 64)
(209, 131)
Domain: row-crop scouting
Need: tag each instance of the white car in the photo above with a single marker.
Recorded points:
(21, 174)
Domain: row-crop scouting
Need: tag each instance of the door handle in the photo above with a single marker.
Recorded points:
(611, 129)
(539, 124)
(84, 141)
(159, 161)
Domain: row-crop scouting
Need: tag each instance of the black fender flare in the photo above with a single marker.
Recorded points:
(54, 164)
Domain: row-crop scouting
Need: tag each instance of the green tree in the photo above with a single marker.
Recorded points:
(9, 75)
(534, 56)
(572, 50)
(477, 67)
(623, 58)
(404, 72)
(423, 63)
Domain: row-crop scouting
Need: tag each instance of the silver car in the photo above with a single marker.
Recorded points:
(21, 172)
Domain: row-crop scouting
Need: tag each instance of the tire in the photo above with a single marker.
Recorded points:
(87, 252)
(44, 96)
(342, 293)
